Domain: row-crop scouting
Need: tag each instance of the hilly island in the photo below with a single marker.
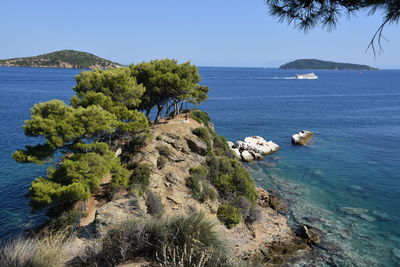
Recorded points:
(62, 59)
(315, 64)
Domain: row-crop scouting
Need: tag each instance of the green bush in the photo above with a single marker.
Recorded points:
(161, 161)
(221, 147)
(163, 150)
(201, 189)
(140, 178)
(204, 135)
(229, 215)
(190, 240)
(200, 117)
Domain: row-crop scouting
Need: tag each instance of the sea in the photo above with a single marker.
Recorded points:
(345, 183)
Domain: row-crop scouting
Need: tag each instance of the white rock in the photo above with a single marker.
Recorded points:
(236, 152)
(274, 147)
(258, 145)
(246, 156)
(230, 144)
(302, 137)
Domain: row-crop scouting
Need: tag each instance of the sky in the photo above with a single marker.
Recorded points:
(237, 33)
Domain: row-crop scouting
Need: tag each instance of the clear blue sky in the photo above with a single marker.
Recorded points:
(207, 32)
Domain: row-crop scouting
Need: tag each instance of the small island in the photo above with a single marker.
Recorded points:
(70, 59)
(315, 64)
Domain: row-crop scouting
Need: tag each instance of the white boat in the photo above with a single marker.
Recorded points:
(310, 75)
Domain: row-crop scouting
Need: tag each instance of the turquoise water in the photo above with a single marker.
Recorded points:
(346, 182)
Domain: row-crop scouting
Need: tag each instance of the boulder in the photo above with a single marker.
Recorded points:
(260, 145)
(230, 144)
(302, 138)
(236, 152)
(197, 146)
(246, 156)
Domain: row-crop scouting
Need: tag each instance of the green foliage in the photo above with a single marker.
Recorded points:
(229, 215)
(201, 189)
(194, 234)
(77, 176)
(163, 150)
(221, 147)
(161, 161)
(166, 82)
(200, 117)
(204, 135)
(140, 178)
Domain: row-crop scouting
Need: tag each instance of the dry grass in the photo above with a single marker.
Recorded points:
(52, 250)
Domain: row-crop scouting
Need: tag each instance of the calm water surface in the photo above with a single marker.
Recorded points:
(346, 182)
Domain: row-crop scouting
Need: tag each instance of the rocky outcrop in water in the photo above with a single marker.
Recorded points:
(302, 138)
(253, 148)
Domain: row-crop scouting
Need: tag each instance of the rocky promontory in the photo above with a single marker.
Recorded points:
(174, 152)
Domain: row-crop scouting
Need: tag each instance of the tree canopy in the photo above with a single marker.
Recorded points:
(103, 109)
(104, 112)
(167, 84)
(307, 14)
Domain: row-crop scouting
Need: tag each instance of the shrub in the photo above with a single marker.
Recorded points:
(200, 117)
(163, 240)
(254, 214)
(229, 215)
(201, 189)
(161, 161)
(140, 178)
(163, 150)
(153, 204)
(221, 147)
(203, 134)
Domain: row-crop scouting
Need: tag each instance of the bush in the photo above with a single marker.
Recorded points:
(140, 178)
(229, 215)
(201, 189)
(161, 161)
(163, 150)
(200, 117)
(221, 147)
(164, 241)
(204, 135)
(153, 204)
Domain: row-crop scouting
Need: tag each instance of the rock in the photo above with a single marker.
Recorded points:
(255, 145)
(236, 152)
(230, 144)
(302, 138)
(172, 178)
(274, 147)
(258, 145)
(197, 146)
(246, 156)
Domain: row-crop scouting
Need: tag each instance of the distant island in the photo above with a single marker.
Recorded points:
(315, 64)
(62, 59)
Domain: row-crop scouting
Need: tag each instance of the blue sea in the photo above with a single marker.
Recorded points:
(346, 183)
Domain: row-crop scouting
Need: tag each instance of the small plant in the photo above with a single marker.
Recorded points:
(163, 150)
(229, 215)
(140, 178)
(200, 117)
(153, 204)
(161, 161)
(203, 134)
